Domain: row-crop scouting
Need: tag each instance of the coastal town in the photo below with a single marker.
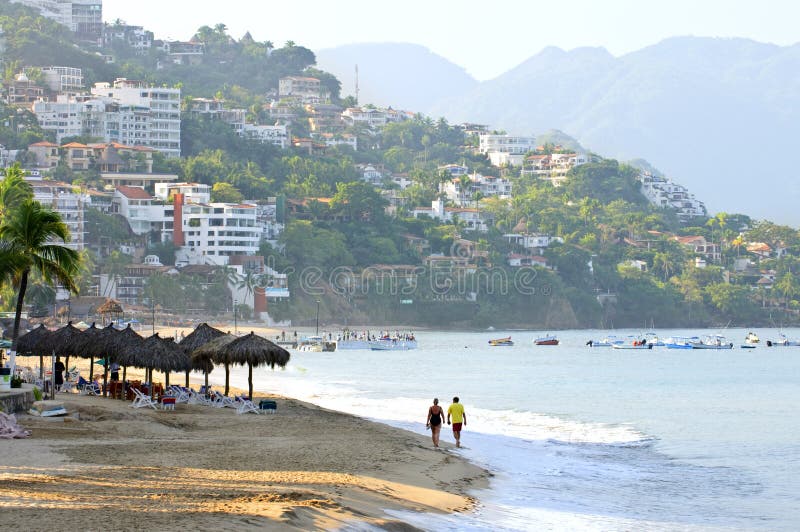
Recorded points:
(431, 266)
(170, 195)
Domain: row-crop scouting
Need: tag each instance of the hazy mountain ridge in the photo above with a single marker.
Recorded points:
(717, 115)
(401, 75)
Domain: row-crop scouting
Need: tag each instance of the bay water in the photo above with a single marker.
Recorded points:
(582, 438)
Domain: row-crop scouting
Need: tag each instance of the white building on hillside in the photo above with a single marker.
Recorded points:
(505, 149)
(212, 232)
(304, 89)
(464, 190)
(664, 193)
(470, 218)
(83, 17)
(554, 166)
(532, 241)
(160, 105)
(144, 213)
(277, 135)
(68, 201)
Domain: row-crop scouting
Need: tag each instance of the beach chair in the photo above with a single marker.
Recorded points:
(221, 401)
(246, 405)
(87, 388)
(268, 406)
(197, 398)
(141, 400)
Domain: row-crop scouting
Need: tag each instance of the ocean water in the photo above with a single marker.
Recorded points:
(585, 438)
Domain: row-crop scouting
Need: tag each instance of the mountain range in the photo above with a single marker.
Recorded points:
(719, 116)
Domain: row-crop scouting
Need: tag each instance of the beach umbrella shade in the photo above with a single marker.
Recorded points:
(124, 345)
(32, 344)
(94, 343)
(164, 355)
(111, 306)
(253, 350)
(215, 351)
(201, 335)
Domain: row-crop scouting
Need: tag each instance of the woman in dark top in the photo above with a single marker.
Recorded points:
(435, 418)
(59, 373)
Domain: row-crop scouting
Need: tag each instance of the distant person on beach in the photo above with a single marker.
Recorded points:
(459, 418)
(434, 422)
(114, 368)
(60, 368)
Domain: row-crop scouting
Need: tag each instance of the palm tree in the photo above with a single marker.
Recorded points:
(26, 245)
(13, 189)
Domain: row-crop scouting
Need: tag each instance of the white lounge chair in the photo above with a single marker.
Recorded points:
(246, 405)
(141, 400)
(221, 401)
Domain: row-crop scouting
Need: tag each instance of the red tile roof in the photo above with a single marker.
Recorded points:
(44, 143)
(134, 192)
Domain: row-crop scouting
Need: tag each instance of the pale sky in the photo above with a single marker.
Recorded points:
(485, 37)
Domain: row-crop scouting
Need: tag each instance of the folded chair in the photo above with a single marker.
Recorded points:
(246, 405)
(141, 400)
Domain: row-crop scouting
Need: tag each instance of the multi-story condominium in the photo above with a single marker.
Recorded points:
(373, 117)
(192, 192)
(61, 79)
(68, 201)
(553, 167)
(532, 241)
(470, 218)
(22, 91)
(136, 37)
(153, 112)
(664, 193)
(454, 170)
(505, 149)
(181, 52)
(83, 17)
(144, 213)
(304, 89)
(325, 118)
(277, 135)
(64, 116)
(338, 139)
(47, 154)
(212, 232)
(214, 109)
(467, 189)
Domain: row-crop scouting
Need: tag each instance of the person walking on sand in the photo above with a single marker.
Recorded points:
(459, 417)
(434, 422)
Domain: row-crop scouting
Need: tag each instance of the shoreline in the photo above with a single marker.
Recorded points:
(306, 467)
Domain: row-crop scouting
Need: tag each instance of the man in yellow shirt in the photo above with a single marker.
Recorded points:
(456, 411)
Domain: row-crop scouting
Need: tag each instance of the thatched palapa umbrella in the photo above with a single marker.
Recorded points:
(31, 343)
(202, 334)
(214, 351)
(111, 306)
(125, 347)
(255, 350)
(96, 343)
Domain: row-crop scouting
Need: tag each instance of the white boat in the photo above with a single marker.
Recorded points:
(681, 342)
(608, 341)
(653, 339)
(751, 338)
(783, 341)
(713, 341)
(315, 344)
(352, 344)
(393, 344)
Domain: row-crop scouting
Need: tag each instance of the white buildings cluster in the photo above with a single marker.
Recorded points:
(83, 17)
(553, 167)
(505, 150)
(128, 112)
(662, 192)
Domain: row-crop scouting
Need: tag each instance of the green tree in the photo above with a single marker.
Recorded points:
(13, 189)
(226, 193)
(28, 234)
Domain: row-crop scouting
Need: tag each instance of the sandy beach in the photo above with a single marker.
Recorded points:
(109, 466)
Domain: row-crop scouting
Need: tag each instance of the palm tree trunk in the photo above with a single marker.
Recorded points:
(187, 378)
(23, 286)
(227, 378)
(250, 381)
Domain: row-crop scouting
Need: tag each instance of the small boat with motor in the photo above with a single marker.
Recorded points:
(548, 339)
(501, 342)
(681, 342)
(783, 341)
(713, 341)
(636, 344)
(608, 341)
(751, 341)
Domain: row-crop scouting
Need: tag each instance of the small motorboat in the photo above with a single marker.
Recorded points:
(608, 341)
(501, 342)
(783, 341)
(681, 342)
(713, 341)
(751, 338)
(548, 339)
